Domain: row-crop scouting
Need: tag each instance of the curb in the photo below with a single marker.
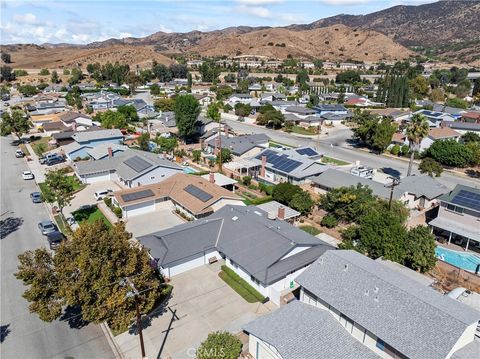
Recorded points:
(111, 341)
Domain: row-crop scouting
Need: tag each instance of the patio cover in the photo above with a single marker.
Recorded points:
(457, 228)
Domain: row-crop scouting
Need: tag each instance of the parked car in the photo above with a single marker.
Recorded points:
(19, 153)
(55, 238)
(27, 175)
(71, 221)
(36, 197)
(51, 156)
(47, 227)
(102, 194)
(55, 161)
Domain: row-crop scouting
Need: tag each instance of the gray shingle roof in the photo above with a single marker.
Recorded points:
(85, 136)
(417, 185)
(124, 171)
(302, 331)
(245, 235)
(241, 144)
(469, 351)
(301, 110)
(458, 125)
(102, 150)
(416, 320)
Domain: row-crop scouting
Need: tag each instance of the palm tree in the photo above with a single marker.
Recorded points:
(417, 130)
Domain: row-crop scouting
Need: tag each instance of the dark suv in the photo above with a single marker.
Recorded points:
(55, 238)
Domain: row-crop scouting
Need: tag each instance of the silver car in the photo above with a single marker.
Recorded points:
(47, 227)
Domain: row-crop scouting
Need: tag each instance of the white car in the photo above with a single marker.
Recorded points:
(99, 195)
(27, 175)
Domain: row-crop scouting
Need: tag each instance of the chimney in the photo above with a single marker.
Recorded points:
(110, 152)
(264, 163)
(281, 212)
(211, 177)
(74, 126)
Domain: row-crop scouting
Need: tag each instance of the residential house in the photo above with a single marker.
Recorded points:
(459, 216)
(221, 180)
(132, 168)
(336, 109)
(40, 120)
(86, 140)
(240, 146)
(272, 96)
(105, 150)
(192, 195)
(351, 306)
(203, 99)
(50, 128)
(77, 121)
(307, 64)
(163, 123)
(471, 117)
(397, 115)
(296, 166)
(330, 118)
(455, 112)
(462, 127)
(280, 211)
(244, 98)
(300, 111)
(282, 105)
(436, 134)
(415, 192)
(267, 253)
(435, 118)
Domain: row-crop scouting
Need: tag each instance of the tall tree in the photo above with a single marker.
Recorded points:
(16, 123)
(430, 167)
(54, 78)
(111, 119)
(417, 130)
(420, 249)
(144, 141)
(87, 271)
(162, 73)
(60, 189)
(187, 109)
(213, 112)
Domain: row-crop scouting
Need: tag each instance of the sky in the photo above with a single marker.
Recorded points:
(81, 22)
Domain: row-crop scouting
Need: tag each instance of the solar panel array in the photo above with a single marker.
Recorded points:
(137, 164)
(307, 151)
(198, 193)
(137, 195)
(280, 162)
(467, 199)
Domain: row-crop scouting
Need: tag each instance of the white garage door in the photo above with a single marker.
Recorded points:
(97, 177)
(194, 263)
(141, 208)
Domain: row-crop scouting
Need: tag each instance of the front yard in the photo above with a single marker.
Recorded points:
(41, 145)
(90, 214)
(75, 183)
(303, 131)
(335, 161)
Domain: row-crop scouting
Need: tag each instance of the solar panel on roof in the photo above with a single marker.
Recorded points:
(198, 193)
(137, 164)
(307, 151)
(137, 195)
(467, 199)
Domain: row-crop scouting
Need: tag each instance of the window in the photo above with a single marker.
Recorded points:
(459, 210)
(380, 344)
(450, 207)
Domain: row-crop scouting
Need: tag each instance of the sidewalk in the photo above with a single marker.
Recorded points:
(34, 165)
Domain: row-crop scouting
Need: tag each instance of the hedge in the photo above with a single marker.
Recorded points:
(245, 290)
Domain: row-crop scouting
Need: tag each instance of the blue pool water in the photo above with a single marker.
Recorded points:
(189, 170)
(464, 260)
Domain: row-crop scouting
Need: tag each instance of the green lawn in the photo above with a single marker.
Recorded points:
(303, 131)
(326, 159)
(91, 214)
(310, 229)
(60, 224)
(239, 285)
(274, 144)
(250, 201)
(41, 145)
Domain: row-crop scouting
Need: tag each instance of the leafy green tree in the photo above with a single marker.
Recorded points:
(155, 90)
(419, 86)
(196, 155)
(16, 123)
(6, 57)
(450, 153)
(111, 119)
(189, 80)
(28, 90)
(44, 72)
(209, 71)
(166, 144)
(474, 148)
(417, 130)
(227, 108)
(133, 81)
(420, 249)
(329, 221)
(86, 271)
(284, 192)
(476, 87)
(143, 141)
(430, 167)
(395, 150)
(20, 72)
(4, 90)
(220, 345)
(271, 118)
(374, 132)
(302, 202)
(348, 77)
(164, 104)
(66, 71)
(179, 71)
(226, 156)
(6, 74)
(60, 189)
(348, 203)
(213, 112)
(302, 77)
(470, 137)
(457, 102)
(76, 76)
(223, 92)
(242, 110)
(54, 78)
(382, 136)
(437, 95)
(162, 73)
(230, 78)
(186, 111)
(129, 112)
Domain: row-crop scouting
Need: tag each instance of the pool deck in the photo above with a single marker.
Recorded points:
(456, 247)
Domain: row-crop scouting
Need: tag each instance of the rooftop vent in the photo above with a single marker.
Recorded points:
(271, 216)
(234, 218)
(345, 268)
(375, 289)
(376, 299)
(367, 292)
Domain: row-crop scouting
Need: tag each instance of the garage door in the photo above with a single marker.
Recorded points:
(263, 352)
(194, 263)
(141, 208)
(97, 177)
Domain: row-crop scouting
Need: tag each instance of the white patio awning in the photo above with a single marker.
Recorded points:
(457, 228)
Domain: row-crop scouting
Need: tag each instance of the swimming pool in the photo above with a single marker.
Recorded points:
(189, 170)
(464, 260)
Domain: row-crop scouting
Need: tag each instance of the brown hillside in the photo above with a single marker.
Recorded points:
(34, 57)
(331, 43)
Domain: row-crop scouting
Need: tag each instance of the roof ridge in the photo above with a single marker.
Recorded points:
(401, 289)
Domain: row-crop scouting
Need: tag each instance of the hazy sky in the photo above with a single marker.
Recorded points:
(86, 21)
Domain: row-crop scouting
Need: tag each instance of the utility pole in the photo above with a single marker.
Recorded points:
(220, 146)
(395, 182)
(135, 293)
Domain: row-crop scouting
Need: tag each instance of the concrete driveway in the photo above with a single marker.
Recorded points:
(161, 218)
(203, 304)
(86, 195)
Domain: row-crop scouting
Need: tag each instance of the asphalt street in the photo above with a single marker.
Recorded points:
(24, 335)
(336, 145)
